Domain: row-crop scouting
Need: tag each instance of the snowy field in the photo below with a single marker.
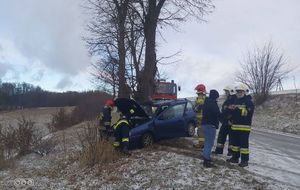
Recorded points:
(170, 164)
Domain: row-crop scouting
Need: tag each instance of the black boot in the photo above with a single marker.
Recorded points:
(229, 153)
(208, 164)
(243, 164)
(125, 148)
(218, 151)
(233, 160)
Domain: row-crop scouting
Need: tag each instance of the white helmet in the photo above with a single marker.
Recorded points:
(242, 87)
(230, 89)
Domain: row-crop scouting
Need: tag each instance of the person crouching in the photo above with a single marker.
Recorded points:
(210, 123)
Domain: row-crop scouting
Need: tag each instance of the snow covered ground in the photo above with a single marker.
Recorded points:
(170, 164)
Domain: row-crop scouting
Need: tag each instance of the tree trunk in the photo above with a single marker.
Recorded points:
(148, 74)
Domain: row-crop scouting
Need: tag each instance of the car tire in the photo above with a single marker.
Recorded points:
(147, 140)
(191, 129)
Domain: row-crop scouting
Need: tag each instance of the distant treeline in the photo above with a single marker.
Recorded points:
(24, 95)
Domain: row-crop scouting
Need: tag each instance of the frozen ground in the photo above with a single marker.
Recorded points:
(280, 113)
(170, 164)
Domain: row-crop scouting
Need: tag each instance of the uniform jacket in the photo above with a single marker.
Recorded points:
(242, 114)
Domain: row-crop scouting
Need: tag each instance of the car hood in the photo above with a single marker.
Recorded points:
(129, 107)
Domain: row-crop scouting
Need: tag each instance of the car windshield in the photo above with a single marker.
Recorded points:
(166, 88)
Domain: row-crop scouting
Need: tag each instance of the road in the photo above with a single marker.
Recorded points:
(276, 156)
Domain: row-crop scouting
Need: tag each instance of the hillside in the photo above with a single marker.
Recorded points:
(170, 164)
(279, 112)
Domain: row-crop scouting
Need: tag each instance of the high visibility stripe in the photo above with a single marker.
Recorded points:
(119, 122)
(241, 127)
(201, 139)
(219, 145)
(245, 151)
(235, 148)
(125, 139)
(244, 112)
(116, 144)
(107, 123)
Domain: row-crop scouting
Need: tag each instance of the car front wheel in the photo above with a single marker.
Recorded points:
(191, 130)
(147, 139)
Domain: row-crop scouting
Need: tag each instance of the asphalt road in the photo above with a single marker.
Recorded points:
(276, 156)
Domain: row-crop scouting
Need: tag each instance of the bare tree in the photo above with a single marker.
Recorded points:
(108, 27)
(164, 12)
(262, 69)
(130, 28)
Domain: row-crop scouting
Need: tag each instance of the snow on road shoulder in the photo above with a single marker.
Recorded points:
(274, 164)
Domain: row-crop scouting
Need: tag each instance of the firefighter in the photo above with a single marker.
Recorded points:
(105, 116)
(121, 133)
(201, 95)
(225, 129)
(242, 112)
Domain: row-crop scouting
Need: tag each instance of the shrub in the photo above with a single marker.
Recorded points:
(60, 120)
(95, 149)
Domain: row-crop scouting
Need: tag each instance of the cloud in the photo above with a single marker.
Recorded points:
(63, 83)
(48, 31)
(38, 75)
(4, 68)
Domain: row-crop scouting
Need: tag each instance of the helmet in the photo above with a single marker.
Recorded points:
(241, 87)
(110, 103)
(230, 89)
(200, 88)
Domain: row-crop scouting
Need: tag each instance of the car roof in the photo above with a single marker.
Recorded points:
(169, 102)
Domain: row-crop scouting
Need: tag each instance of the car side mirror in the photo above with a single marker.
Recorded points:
(179, 88)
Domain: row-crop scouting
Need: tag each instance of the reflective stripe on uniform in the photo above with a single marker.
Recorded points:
(119, 122)
(201, 139)
(125, 139)
(244, 112)
(235, 148)
(107, 123)
(219, 145)
(116, 144)
(241, 127)
(244, 151)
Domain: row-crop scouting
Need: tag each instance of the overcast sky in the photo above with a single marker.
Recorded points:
(41, 42)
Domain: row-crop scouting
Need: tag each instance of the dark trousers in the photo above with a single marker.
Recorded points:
(122, 135)
(224, 131)
(240, 145)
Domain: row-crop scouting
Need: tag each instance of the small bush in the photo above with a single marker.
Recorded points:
(95, 150)
(60, 120)
(17, 141)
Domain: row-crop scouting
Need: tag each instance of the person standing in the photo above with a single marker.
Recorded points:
(105, 116)
(242, 111)
(225, 129)
(210, 123)
(201, 95)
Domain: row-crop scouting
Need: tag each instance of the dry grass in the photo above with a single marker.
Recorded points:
(95, 150)
(60, 120)
(17, 141)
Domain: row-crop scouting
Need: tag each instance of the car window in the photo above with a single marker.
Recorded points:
(189, 106)
(174, 111)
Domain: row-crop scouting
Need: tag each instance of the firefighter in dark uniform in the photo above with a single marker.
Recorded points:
(242, 112)
(225, 129)
(121, 133)
(105, 117)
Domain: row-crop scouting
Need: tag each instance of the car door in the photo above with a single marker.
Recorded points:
(170, 123)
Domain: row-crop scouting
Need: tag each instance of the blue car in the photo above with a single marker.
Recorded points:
(160, 120)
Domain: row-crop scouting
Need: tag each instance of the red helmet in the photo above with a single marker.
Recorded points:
(110, 103)
(200, 88)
